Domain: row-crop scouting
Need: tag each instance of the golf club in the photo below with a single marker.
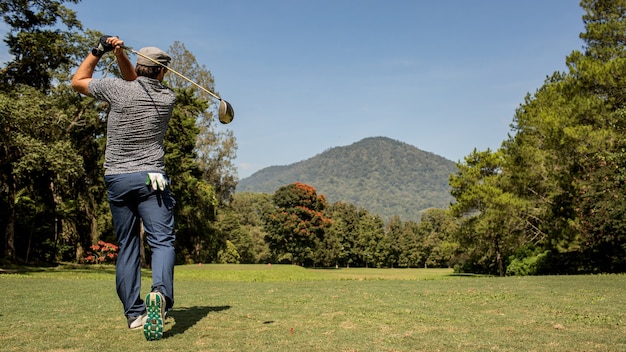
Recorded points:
(225, 113)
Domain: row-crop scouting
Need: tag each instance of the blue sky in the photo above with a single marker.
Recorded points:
(308, 75)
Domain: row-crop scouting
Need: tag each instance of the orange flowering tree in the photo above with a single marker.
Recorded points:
(297, 226)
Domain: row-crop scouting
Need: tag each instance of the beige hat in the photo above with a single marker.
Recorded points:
(155, 54)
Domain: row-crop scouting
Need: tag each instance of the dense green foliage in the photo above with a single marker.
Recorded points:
(384, 176)
(39, 48)
(553, 198)
(297, 226)
(300, 228)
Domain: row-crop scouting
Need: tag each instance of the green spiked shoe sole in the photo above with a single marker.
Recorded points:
(153, 329)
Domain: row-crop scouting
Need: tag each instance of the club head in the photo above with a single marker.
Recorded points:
(226, 113)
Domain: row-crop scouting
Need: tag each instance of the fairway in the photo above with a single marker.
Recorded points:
(288, 308)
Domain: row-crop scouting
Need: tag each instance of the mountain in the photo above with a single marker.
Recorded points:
(384, 176)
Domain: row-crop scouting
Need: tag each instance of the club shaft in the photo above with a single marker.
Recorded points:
(172, 70)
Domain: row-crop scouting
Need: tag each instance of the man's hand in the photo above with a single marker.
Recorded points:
(117, 45)
(103, 46)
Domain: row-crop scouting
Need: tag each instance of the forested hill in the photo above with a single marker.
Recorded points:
(384, 176)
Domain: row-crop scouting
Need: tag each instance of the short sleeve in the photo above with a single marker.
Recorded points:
(103, 88)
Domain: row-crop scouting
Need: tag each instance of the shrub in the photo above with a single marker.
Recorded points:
(530, 265)
(101, 253)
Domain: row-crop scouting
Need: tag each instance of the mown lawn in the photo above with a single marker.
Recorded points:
(288, 308)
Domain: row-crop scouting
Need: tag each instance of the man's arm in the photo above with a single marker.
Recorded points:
(126, 67)
(82, 77)
(84, 74)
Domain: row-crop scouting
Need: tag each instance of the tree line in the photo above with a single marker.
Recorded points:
(296, 225)
(551, 199)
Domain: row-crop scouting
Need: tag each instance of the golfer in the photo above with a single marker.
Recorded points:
(140, 107)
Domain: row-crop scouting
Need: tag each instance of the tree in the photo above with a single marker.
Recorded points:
(229, 255)
(251, 209)
(38, 46)
(412, 255)
(601, 213)
(371, 246)
(546, 155)
(298, 226)
(605, 29)
(599, 202)
(345, 228)
(328, 250)
(236, 235)
(49, 137)
(215, 149)
(566, 155)
(490, 217)
(196, 199)
(436, 231)
(394, 232)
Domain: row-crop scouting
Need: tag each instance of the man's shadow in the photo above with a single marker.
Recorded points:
(187, 317)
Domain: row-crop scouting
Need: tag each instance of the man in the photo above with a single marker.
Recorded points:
(140, 107)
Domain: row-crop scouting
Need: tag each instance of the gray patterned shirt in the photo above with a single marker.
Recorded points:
(139, 113)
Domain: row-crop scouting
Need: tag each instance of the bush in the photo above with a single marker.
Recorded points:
(101, 253)
(530, 265)
(229, 255)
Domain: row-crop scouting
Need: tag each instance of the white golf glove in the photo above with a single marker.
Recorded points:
(157, 181)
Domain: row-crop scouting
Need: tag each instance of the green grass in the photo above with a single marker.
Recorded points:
(288, 308)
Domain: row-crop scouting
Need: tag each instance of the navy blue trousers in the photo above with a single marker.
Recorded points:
(132, 202)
